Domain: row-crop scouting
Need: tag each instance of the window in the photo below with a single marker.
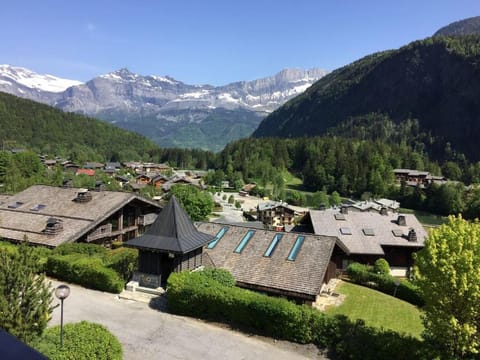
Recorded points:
(219, 235)
(38, 207)
(397, 233)
(244, 241)
(368, 232)
(15, 205)
(276, 239)
(345, 231)
(296, 248)
(340, 217)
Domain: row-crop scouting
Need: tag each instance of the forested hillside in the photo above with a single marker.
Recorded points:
(44, 129)
(435, 81)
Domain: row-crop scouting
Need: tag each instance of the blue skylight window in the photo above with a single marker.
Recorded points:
(244, 241)
(38, 207)
(276, 239)
(15, 205)
(296, 248)
(219, 235)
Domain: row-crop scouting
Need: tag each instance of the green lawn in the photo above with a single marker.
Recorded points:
(426, 218)
(378, 309)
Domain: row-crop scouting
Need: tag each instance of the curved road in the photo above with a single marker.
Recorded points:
(147, 333)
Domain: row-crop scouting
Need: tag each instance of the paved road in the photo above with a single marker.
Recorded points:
(147, 333)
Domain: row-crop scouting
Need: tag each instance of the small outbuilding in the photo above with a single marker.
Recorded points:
(172, 244)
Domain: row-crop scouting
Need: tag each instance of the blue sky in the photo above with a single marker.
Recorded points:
(210, 41)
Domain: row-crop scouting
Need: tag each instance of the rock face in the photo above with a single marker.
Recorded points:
(171, 112)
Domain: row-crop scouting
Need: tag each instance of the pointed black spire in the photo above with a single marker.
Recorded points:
(172, 231)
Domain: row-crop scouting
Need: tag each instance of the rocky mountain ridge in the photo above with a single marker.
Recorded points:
(169, 111)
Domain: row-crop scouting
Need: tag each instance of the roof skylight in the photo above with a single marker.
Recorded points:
(368, 232)
(219, 235)
(276, 239)
(244, 241)
(38, 207)
(345, 231)
(16, 205)
(296, 248)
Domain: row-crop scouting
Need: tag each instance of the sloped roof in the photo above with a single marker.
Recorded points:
(77, 218)
(351, 234)
(173, 231)
(303, 276)
(13, 348)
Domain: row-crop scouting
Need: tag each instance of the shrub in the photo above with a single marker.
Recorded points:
(222, 276)
(381, 267)
(83, 340)
(87, 271)
(123, 261)
(81, 248)
(116, 244)
(198, 295)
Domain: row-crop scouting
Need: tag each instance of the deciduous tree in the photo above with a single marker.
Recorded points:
(448, 275)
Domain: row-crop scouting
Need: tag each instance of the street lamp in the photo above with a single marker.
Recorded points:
(397, 282)
(62, 292)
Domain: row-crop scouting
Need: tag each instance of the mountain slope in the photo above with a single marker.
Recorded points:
(170, 111)
(470, 26)
(48, 130)
(436, 80)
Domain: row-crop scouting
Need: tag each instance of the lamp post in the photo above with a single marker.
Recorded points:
(397, 282)
(62, 292)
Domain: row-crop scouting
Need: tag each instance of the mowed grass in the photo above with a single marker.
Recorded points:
(425, 218)
(378, 309)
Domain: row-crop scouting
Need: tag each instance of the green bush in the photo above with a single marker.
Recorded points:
(83, 340)
(123, 261)
(366, 276)
(87, 271)
(381, 267)
(222, 276)
(81, 248)
(198, 295)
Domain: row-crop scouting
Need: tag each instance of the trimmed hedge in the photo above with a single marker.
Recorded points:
(364, 275)
(123, 261)
(81, 248)
(198, 295)
(86, 271)
(81, 341)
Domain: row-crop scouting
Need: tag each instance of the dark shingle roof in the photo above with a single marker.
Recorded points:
(173, 231)
(302, 276)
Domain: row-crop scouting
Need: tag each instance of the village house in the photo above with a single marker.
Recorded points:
(417, 178)
(367, 236)
(371, 205)
(275, 214)
(50, 216)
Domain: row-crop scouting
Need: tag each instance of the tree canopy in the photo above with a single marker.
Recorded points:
(198, 204)
(447, 271)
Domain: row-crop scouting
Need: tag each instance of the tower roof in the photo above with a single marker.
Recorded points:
(172, 231)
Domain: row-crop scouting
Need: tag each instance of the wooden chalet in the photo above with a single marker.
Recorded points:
(292, 265)
(275, 214)
(367, 236)
(172, 244)
(50, 216)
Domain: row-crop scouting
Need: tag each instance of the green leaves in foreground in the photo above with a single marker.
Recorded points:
(449, 277)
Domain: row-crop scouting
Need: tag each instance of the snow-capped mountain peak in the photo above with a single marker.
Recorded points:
(33, 80)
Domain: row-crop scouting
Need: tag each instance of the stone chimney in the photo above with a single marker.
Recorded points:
(412, 235)
(383, 211)
(343, 210)
(401, 221)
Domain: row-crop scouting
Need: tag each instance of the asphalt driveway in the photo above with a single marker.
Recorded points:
(147, 333)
